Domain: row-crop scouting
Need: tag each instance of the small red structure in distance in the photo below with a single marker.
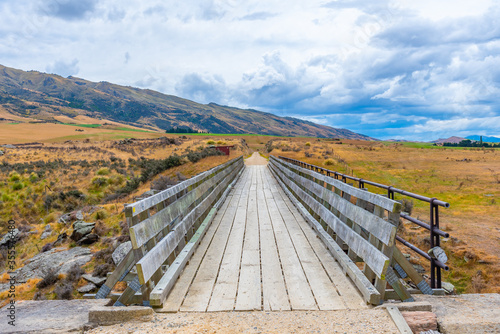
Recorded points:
(224, 149)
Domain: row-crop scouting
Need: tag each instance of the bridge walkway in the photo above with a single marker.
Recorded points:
(260, 254)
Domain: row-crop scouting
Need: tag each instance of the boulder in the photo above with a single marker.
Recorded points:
(58, 259)
(81, 229)
(8, 146)
(1, 153)
(11, 236)
(79, 215)
(87, 288)
(95, 280)
(47, 228)
(121, 251)
(88, 239)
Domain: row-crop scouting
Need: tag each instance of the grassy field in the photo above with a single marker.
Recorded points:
(469, 179)
(92, 169)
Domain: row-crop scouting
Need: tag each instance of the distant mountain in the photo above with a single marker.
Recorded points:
(453, 140)
(36, 95)
(486, 139)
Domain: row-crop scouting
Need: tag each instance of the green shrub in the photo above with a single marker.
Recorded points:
(34, 177)
(14, 177)
(328, 162)
(17, 186)
(308, 144)
(103, 171)
(210, 142)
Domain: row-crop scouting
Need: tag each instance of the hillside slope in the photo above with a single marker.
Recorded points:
(41, 96)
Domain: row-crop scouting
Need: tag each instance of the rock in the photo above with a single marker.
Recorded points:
(50, 316)
(79, 215)
(58, 259)
(420, 321)
(96, 280)
(121, 251)
(87, 288)
(45, 235)
(47, 228)
(64, 219)
(1, 153)
(11, 237)
(81, 229)
(88, 239)
(60, 239)
(448, 287)
(115, 315)
(8, 146)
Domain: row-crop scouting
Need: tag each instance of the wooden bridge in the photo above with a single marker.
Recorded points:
(262, 237)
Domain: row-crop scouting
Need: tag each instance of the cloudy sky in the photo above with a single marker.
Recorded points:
(389, 69)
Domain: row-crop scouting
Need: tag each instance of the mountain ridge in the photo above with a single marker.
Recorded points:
(37, 95)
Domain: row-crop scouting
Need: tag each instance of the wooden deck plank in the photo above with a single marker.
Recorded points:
(249, 286)
(274, 293)
(299, 291)
(345, 287)
(323, 288)
(176, 296)
(200, 291)
(226, 286)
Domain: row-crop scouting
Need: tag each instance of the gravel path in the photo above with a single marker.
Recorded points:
(345, 321)
(255, 159)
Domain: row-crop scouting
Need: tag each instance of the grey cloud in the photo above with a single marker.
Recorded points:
(201, 88)
(63, 68)
(116, 14)
(68, 9)
(258, 16)
(127, 57)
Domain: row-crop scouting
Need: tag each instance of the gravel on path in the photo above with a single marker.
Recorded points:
(344, 321)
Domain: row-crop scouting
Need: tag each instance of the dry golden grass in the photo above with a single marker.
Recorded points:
(469, 179)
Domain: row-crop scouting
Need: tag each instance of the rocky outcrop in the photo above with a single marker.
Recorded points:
(10, 237)
(81, 229)
(57, 259)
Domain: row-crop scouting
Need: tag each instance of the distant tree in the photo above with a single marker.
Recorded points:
(181, 130)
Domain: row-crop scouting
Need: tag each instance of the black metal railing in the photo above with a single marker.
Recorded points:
(433, 227)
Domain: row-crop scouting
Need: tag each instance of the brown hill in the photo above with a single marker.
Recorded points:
(40, 96)
(452, 140)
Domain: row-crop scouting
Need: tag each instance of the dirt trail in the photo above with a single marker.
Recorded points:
(255, 159)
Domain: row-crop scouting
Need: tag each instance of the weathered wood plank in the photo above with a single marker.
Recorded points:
(140, 206)
(249, 286)
(322, 287)
(348, 292)
(200, 291)
(181, 287)
(226, 285)
(368, 291)
(151, 261)
(377, 261)
(274, 294)
(377, 226)
(380, 200)
(150, 227)
(299, 291)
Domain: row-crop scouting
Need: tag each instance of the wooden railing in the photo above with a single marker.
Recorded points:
(358, 227)
(165, 230)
